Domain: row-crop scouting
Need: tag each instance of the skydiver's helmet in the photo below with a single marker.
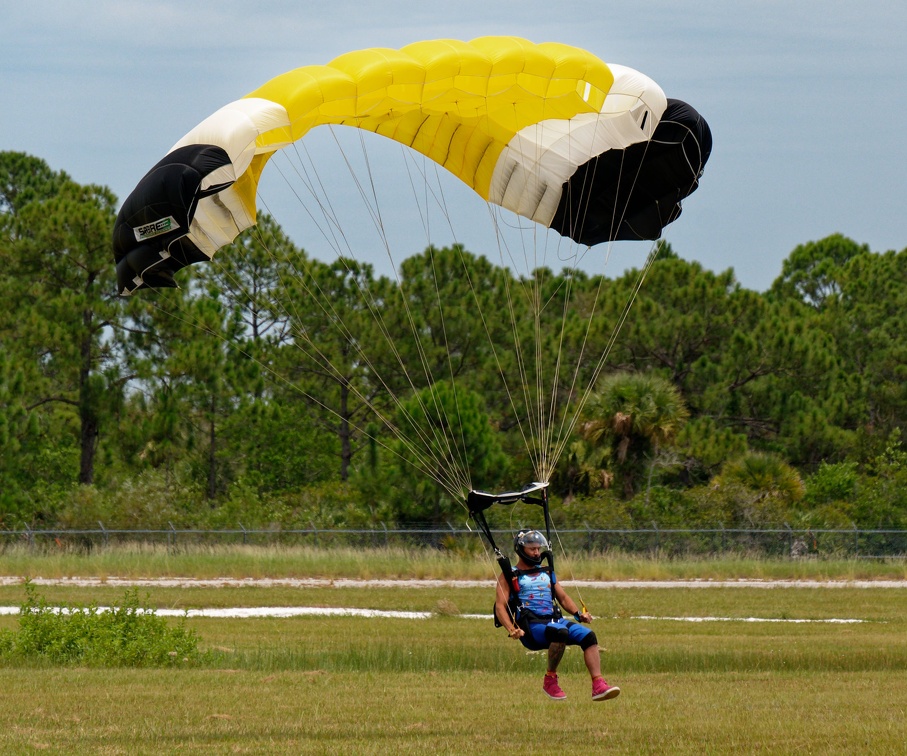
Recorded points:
(530, 538)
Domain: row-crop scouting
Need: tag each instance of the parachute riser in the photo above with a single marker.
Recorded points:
(478, 501)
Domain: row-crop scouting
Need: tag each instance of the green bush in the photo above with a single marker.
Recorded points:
(129, 635)
(831, 483)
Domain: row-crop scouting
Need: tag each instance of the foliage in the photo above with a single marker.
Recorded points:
(703, 446)
(128, 635)
(273, 388)
(882, 498)
(474, 447)
(831, 484)
(757, 489)
(636, 416)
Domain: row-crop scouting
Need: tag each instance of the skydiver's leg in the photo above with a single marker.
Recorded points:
(592, 657)
(555, 654)
(585, 638)
(549, 685)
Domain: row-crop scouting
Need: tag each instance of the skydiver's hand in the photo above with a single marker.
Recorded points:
(516, 632)
(583, 616)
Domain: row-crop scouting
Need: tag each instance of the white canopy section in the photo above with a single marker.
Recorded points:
(236, 128)
(532, 170)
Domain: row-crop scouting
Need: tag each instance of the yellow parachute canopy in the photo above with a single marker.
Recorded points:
(530, 127)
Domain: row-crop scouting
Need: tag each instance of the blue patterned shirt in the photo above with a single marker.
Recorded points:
(536, 594)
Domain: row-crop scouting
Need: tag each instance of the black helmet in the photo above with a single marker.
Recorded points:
(530, 538)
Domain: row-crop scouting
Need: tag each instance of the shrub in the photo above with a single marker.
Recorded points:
(831, 483)
(130, 635)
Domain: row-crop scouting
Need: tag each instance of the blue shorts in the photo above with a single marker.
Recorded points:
(540, 635)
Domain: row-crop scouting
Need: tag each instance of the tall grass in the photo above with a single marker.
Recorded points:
(449, 641)
(205, 561)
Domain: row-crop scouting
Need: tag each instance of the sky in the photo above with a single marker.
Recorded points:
(805, 98)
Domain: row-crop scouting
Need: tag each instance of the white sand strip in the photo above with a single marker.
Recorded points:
(319, 611)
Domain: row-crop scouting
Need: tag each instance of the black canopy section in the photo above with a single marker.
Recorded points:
(632, 194)
(149, 243)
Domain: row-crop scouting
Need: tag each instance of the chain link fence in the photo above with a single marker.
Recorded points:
(671, 542)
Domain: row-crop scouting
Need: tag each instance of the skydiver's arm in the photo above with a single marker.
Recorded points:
(502, 612)
(569, 605)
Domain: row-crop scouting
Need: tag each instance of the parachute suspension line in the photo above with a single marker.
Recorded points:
(650, 259)
(367, 199)
(372, 203)
(421, 203)
(558, 440)
(307, 347)
(532, 391)
(186, 319)
(332, 222)
(440, 434)
(551, 437)
(454, 452)
(566, 293)
(492, 341)
(452, 448)
(441, 202)
(563, 434)
(519, 356)
(570, 420)
(440, 438)
(455, 488)
(439, 198)
(541, 401)
(435, 470)
(541, 359)
(538, 439)
(535, 389)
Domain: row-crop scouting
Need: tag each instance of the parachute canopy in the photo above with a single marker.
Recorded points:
(594, 151)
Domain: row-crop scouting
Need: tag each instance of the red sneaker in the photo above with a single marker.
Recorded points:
(552, 689)
(601, 691)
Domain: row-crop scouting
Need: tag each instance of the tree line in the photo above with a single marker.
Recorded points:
(276, 389)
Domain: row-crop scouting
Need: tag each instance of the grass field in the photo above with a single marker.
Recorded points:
(451, 684)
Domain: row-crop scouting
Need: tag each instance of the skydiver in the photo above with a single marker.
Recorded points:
(536, 626)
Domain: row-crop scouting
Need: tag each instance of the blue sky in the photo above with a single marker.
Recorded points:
(806, 98)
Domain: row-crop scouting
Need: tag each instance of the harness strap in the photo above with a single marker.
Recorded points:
(537, 493)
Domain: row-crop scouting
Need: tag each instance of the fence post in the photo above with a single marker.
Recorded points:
(315, 531)
(386, 541)
(172, 533)
(856, 540)
(106, 534)
(30, 537)
(245, 535)
(790, 541)
(657, 536)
